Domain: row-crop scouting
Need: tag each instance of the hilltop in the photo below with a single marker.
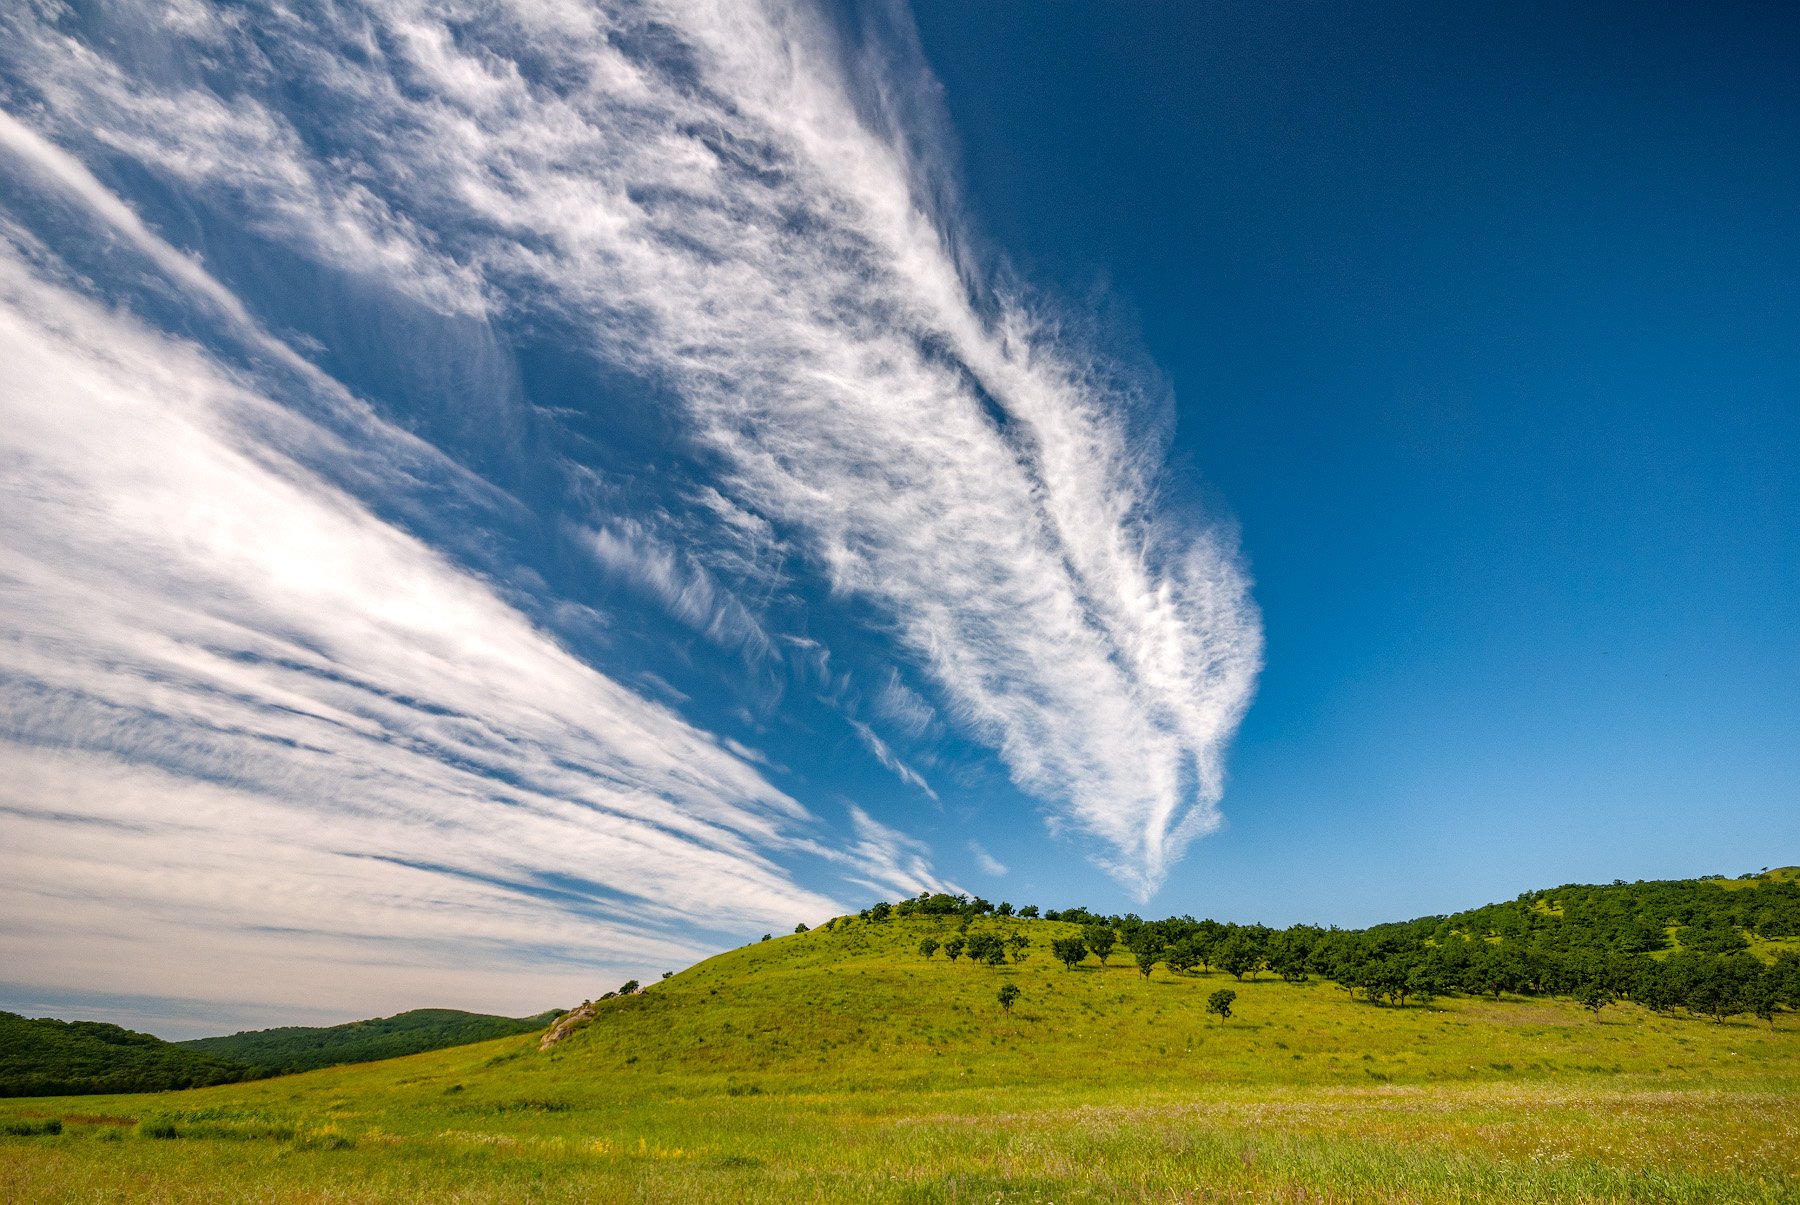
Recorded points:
(46, 1057)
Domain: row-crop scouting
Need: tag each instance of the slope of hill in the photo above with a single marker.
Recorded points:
(303, 1048)
(846, 1063)
(59, 1058)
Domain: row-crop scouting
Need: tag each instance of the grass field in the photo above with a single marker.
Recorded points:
(843, 1066)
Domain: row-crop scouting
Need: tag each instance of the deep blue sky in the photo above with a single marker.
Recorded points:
(504, 502)
(1483, 322)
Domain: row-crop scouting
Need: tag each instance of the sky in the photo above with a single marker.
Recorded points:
(503, 499)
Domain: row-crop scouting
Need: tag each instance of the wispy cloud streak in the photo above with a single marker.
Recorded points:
(244, 718)
(738, 206)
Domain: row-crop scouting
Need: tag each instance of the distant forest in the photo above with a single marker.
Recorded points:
(47, 1057)
(1684, 944)
(300, 1048)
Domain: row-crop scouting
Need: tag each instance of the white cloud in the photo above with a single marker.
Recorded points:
(988, 863)
(890, 862)
(685, 590)
(750, 221)
(886, 757)
(901, 706)
(254, 735)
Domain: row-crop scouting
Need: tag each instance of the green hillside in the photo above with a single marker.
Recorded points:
(845, 1064)
(65, 1058)
(300, 1048)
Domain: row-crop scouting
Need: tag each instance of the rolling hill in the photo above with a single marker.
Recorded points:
(845, 1063)
(303, 1048)
(46, 1057)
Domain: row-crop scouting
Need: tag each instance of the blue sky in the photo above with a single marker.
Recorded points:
(504, 502)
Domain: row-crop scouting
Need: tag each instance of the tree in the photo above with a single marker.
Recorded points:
(1181, 956)
(800, 928)
(1005, 909)
(1220, 1002)
(1069, 951)
(1029, 911)
(1763, 998)
(953, 948)
(1235, 955)
(1099, 939)
(987, 948)
(1593, 997)
(1008, 994)
(1146, 949)
(1017, 943)
(928, 947)
(631, 985)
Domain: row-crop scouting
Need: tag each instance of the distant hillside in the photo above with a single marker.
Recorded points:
(69, 1058)
(301, 1048)
(1712, 915)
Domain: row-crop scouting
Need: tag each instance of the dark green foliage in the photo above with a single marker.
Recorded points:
(1146, 948)
(953, 948)
(629, 987)
(1069, 951)
(1017, 943)
(68, 1058)
(303, 1048)
(1220, 1003)
(1029, 911)
(987, 948)
(1576, 941)
(21, 1128)
(800, 928)
(1008, 994)
(928, 947)
(1593, 997)
(1238, 955)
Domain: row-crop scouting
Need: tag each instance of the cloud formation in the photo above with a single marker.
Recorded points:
(739, 204)
(246, 720)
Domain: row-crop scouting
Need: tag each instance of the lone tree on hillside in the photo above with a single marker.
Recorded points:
(953, 948)
(1593, 997)
(630, 986)
(1220, 1002)
(1099, 939)
(1069, 951)
(1017, 943)
(1008, 994)
(928, 947)
(800, 928)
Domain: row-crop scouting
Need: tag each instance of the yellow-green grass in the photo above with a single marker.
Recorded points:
(843, 1066)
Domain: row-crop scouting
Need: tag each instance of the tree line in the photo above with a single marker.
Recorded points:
(1668, 946)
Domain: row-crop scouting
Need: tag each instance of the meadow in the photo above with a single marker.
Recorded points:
(844, 1066)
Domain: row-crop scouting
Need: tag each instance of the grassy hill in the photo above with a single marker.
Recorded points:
(843, 1065)
(303, 1048)
(45, 1057)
